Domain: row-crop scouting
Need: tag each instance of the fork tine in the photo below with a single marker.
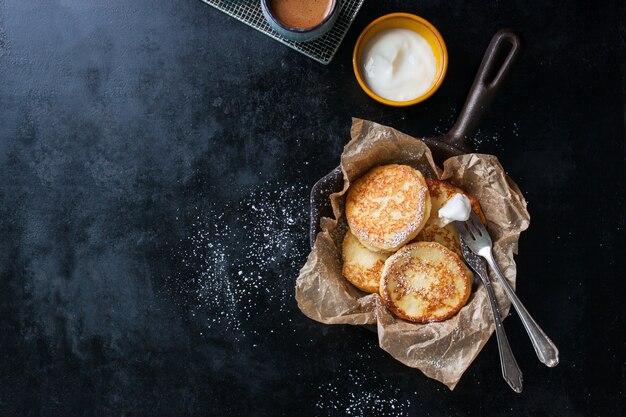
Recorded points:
(481, 228)
(475, 218)
(473, 228)
(465, 234)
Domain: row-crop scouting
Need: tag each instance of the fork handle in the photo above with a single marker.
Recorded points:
(510, 369)
(544, 347)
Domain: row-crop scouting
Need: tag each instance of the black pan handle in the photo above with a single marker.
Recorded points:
(483, 90)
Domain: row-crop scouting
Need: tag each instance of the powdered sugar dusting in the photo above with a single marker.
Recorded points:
(481, 139)
(350, 394)
(234, 253)
(373, 197)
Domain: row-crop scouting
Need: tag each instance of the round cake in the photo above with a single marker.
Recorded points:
(387, 207)
(425, 282)
(361, 266)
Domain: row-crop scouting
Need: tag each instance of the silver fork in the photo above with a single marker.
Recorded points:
(474, 234)
(510, 370)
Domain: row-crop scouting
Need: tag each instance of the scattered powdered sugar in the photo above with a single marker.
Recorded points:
(496, 140)
(350, 394)
(242, 257)
(354, 390)
(480, 138)
(444, 125)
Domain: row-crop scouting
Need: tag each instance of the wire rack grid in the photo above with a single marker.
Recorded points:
(322, 50)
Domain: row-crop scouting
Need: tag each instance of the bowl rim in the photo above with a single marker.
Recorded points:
(333, 9)
(431, 90)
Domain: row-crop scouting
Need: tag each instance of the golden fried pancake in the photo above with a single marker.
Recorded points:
(361, 266)
(425, 282)
(440, 193)
(388, 206)
(446, 236)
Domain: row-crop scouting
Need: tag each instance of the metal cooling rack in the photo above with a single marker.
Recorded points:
(321, 50)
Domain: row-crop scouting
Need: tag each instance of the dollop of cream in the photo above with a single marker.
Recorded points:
(457, 208)
(399, 64)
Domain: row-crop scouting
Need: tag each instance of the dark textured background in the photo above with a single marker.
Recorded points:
(123, 121)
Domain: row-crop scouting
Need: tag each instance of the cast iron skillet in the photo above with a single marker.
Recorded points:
(455, 142)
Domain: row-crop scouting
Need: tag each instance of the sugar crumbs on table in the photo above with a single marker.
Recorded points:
(359, 398)
(241, 257)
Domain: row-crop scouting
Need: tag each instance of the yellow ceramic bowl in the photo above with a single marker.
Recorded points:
(404, 21)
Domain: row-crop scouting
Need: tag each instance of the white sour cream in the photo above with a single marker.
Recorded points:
(458, 208)
(398, 64)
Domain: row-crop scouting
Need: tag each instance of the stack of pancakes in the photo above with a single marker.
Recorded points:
(398, 246)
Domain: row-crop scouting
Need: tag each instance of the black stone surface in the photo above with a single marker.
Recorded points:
(138, 137)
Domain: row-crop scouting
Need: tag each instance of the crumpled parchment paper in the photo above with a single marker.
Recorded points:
(442, 350)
